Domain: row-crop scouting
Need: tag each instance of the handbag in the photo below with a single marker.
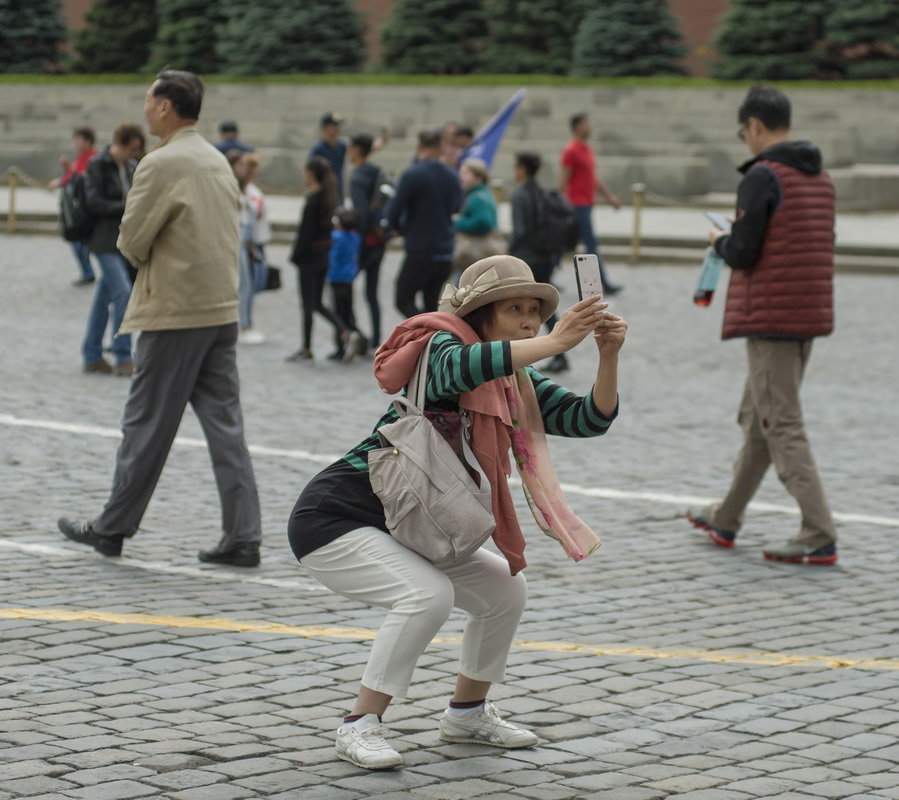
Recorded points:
(432, 504)
(469, 247)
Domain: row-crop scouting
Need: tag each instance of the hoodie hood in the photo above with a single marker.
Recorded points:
(803, 156)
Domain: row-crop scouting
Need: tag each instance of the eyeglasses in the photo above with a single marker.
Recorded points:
(741, 133)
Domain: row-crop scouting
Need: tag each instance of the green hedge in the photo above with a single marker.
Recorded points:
(386, 79)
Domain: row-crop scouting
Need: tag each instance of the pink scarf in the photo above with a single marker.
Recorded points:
(504, 413)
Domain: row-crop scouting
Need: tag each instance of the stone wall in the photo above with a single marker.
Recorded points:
(680, 141)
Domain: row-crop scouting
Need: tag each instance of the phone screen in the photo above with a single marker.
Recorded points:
(718, 221)
(589, 278)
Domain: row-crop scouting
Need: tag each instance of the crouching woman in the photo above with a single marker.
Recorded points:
(484, 343)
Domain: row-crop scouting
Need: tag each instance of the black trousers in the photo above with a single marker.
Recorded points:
(343, 309)
(420, 274)
(313, 273)
(370, 258)
(543, 269)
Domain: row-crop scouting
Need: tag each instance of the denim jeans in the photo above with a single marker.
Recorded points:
(113, 290)
(245, 290)
(83, 257)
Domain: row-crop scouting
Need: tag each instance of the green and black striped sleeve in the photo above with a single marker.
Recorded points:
(566, 413)
(457, 367)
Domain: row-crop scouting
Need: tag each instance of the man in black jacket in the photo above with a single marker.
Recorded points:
(106, 184)
(367, 193)
(428, 195)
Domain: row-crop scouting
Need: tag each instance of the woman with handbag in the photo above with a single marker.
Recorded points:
(311, 248)
(478, 380)
(477, 234)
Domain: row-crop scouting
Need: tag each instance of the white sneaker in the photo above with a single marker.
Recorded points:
(251, 336)
(485, 727)
(367, 749)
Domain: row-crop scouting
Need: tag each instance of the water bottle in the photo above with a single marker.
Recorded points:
(708, 278)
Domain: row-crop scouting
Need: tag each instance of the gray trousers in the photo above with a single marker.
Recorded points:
(171, 369)
(773, 432)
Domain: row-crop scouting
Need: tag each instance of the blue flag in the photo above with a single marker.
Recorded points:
(486, 143)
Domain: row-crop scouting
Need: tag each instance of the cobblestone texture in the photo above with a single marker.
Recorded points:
(93, 709)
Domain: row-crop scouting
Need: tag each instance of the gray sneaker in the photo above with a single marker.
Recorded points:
(795, 552)
(368, 748)
(485, 727)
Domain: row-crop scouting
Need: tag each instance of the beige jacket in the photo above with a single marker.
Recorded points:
(180, 231)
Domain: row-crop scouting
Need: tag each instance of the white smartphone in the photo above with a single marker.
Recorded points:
(718, 221)
(589, 278)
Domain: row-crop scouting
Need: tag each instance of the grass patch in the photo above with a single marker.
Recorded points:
(388, 79)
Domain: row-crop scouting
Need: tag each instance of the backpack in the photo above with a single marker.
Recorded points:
(381, 194)
(75, 222)
(557, 226)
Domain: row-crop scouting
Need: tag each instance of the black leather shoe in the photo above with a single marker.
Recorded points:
(608, 289)
(241, 555)
(558, 364)
(82, 533)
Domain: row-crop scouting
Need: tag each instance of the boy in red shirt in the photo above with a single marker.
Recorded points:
(579, 182)
(83, 138)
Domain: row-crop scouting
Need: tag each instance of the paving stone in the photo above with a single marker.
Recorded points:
(114, 790)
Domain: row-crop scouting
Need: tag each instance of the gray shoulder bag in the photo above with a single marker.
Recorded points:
(432, 504)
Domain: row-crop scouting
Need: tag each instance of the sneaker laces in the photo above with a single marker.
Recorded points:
(374, 736)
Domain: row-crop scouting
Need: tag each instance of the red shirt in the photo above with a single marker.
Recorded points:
(78, 165)
(581, 186)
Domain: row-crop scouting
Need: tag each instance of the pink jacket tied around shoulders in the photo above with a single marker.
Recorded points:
(504, 415)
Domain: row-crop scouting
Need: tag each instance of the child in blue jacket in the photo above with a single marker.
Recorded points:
(342, 269)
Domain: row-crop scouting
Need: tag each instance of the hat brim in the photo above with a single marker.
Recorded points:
(547, 294)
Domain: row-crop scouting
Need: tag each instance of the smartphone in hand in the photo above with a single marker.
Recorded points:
(718, 221)
(589, 278)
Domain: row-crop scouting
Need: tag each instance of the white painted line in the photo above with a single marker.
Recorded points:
(213, 574)
(585, 491)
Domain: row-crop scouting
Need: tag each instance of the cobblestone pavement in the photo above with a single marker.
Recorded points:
(659, 667)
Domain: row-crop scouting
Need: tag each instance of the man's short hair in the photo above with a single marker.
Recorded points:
(228, 126)
(464, 130)
(126, 132)
(182, 89)
(576, 119)
(348, 218)
(429, 140)
(85, 132)
(363, 143)
(530, 162)
(768, 104)
(330, 118)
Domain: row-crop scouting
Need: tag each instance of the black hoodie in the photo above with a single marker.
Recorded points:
(758, 197)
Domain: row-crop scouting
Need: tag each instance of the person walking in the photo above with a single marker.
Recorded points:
(343, 266)
(427, 196)
(370, 192)
(83, 138)
(246, 290)
(310, 251)
(483, 342)
(107, 182)
(180, 230)
(229, 139)
(526, 210)
(333, 147)
(580, 183)
(780, 298)
(477, 235)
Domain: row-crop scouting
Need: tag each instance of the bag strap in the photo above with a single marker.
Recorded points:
(414, 402)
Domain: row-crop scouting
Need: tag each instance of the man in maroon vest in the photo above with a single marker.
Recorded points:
(779, 299)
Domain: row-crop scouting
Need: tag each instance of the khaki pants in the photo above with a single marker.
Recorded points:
(773, 432)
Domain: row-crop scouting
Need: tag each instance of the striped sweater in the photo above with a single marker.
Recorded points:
(455, 368)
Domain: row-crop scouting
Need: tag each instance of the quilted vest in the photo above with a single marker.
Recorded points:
(788, 292)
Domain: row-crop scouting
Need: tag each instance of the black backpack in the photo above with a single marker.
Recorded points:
(75, 222)
(557, 226)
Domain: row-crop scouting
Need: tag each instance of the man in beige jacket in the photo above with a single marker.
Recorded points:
(180, 231)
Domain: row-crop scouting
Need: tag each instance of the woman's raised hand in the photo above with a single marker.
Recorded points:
(577, 322)
(609, 334)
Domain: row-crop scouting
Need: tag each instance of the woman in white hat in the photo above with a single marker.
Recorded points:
(485, 339)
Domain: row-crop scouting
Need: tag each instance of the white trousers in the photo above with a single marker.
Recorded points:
(371, 567)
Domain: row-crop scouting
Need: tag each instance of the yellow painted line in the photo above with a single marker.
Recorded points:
(362, 634)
